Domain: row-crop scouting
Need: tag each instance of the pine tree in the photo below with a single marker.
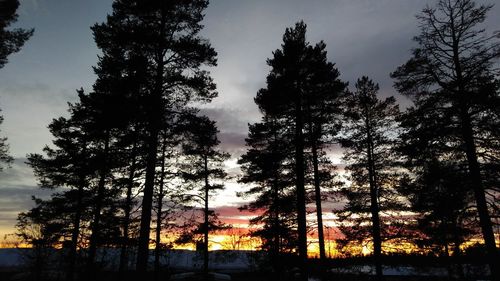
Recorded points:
(322, 123)
(284, 99)
(11, 41)
(129, 153)
(300, 99)
(440, 196)
(69, 163)
(438, 187)
(95, 107)
(121, 76)
(5, 158)
(43, 228)
(368, 134)
(166, 33)
(267, 168)
(204, 172)
(453, 66)
(169, 191)
(84, 159)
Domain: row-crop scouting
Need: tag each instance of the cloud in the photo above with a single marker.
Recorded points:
(19, 174)
(28, 109)
(37, 93)
(29, 6)
(233, 127)
(232, 119)
(233, 143)
(232, 215)
(17, 186)
(233, 211)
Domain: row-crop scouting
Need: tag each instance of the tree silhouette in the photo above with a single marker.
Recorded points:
(128, 178)
(299, 106)
(267, 167)
(86, 155)
(168, 188)
(101, 123)
(453, 67)
(284, 99)
(441, 195)
(11, 41)
(5, 158)
(69, 163)
(322, 121)
(203, 170)
(166, 33)
(121, 76)
(43, 228)
(368, 134)
(439, 188)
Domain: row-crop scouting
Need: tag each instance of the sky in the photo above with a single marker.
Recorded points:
(363, 37)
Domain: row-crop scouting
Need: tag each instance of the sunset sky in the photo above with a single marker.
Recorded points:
(363, 37)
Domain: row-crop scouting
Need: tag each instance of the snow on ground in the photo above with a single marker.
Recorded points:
(406, 270)
(393, 271)
(219, 260)
(235, 261)
(228, 261)
(10, 257)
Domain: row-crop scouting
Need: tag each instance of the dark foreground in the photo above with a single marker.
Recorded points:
(107, 276)
(404, 268)
(23, 275)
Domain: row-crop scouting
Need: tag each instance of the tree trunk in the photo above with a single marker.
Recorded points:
(317, 186)
(96, 227)
(474, 169)
(205, 227)
(75, 231)
(275, 252)
(76, 222)
(159, 210)
(301, 199)
(127, 209)
(448, 262)
(143, 243)
(479, 193)
(155, 115)
(374, 207)
(377, 240)
(319, 212)
(457, 253)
